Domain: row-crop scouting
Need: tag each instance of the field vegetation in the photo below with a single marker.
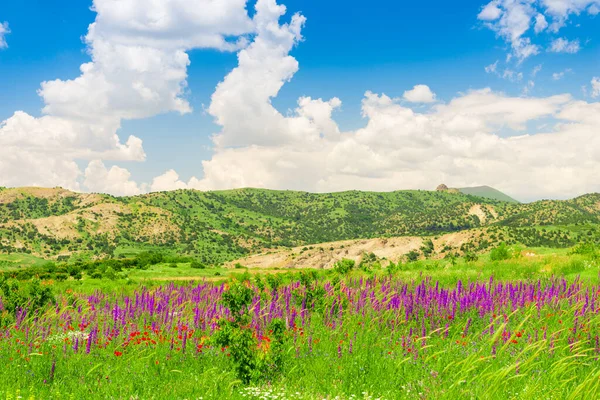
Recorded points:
(502, 326)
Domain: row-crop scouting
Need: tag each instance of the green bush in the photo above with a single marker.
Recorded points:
(500, 253)
(110, 274)
(344, 266)
(31, 295)
(96, 275)
(61, 277)
(471, 257)
(412, 255)
(197, 265)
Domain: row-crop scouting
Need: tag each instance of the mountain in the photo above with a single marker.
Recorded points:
(220, 226)
(488, 193)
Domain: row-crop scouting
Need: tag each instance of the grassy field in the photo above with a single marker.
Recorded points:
(522, 326)
(16, 261)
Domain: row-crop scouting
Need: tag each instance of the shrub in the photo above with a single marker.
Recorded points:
(110, 274)
(412, 255)
(427, 248)
(344, 266)
(31, 295)
(254, 357)
(274, 281)
(61, 277)
(470, 256)
(500, 253)
(197, 265)
(96, 275)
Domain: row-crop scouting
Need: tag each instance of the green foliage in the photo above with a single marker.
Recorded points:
(452, 257)
(500, 253)
(31, 295)
(427, 248)
(587, 249)
(197, 265)
(110, 274)
(344, 266)
(236, 335)
(471, 256)
(412, 256)
(274, 281)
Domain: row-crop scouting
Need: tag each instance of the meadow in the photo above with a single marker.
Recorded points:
(514, 327)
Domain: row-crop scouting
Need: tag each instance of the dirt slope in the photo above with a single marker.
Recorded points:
(325, 255)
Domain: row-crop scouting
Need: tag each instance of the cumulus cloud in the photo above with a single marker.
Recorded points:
(540, 23)
(513, 19)
(563, 45)
(490, 12)
(138, 69)
(115, 180)
(419, 94)
(478, 137)
(170, 181)
(458, 142)
(4, 30)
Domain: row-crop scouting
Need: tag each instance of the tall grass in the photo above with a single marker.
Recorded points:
(356, 337)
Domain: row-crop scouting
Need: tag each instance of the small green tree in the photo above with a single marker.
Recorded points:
(236, 334)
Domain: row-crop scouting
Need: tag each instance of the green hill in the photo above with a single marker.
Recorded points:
(488, 193)
(224, 225)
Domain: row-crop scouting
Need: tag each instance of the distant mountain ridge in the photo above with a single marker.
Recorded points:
(488, 193)
(220, 226)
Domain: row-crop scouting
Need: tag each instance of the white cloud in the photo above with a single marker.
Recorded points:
(560, 10)
(419, 94)
(169, 181)
(4, 30)
(247, 90)
(563, 45)
(490, 12)
(528, 88)
(115, 180)
(536, 70)
(138, 69)
(513, 19)
(559, 75)
(512, 76)
(595, 87)
(540, 23)
(458, 142)
(479, 137)
(492, 68)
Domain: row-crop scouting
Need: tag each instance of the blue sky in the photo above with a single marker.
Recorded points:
(347, 48)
